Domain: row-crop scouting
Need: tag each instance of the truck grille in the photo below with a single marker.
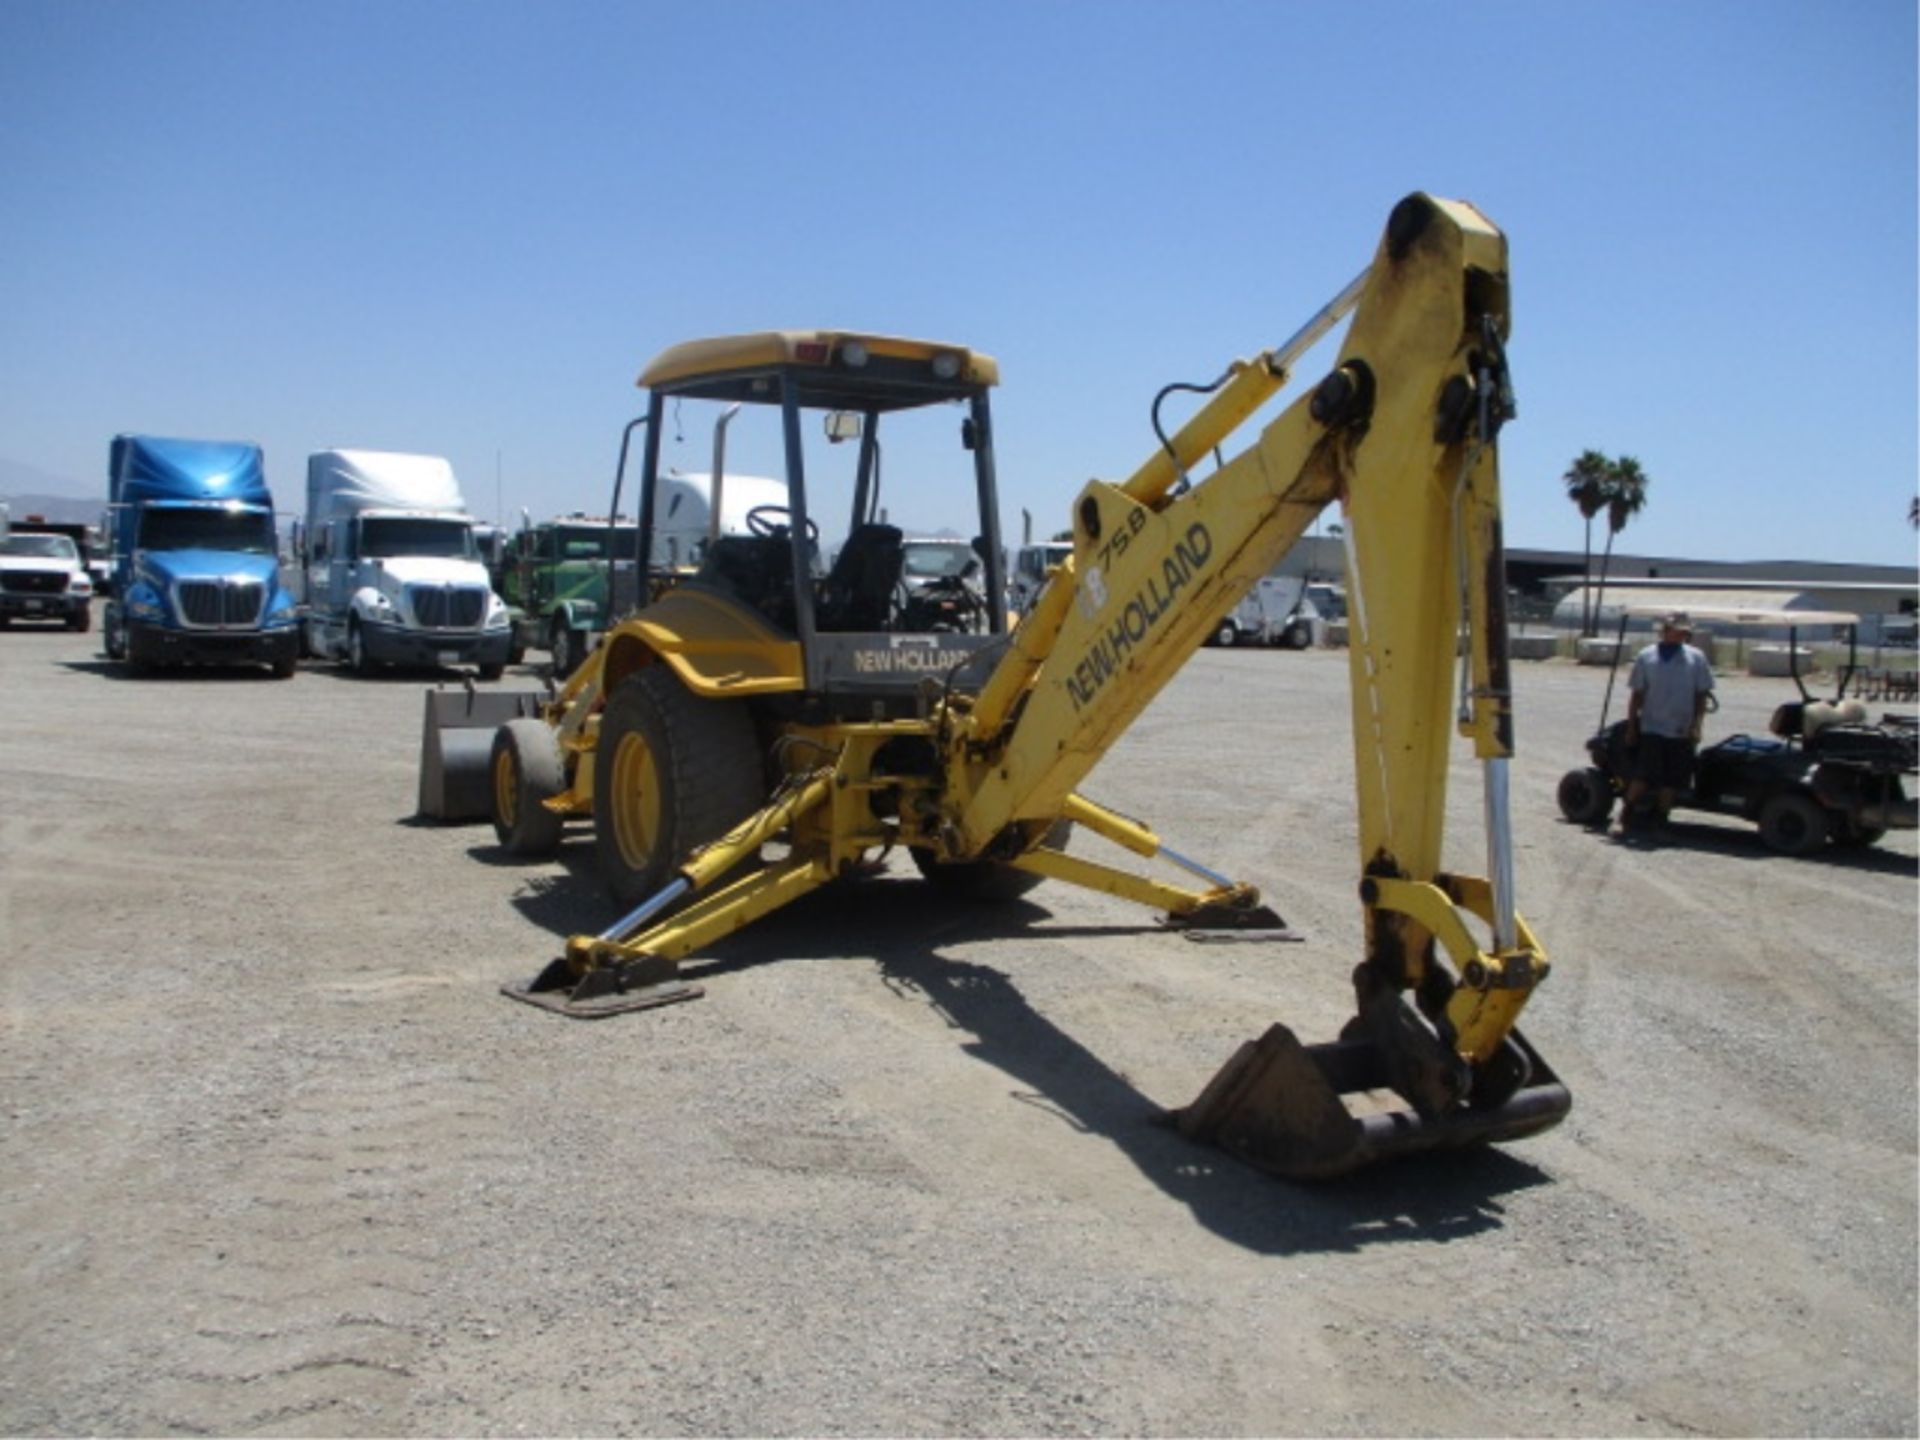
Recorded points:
(219, 603)
(34, 582)
(443, 607)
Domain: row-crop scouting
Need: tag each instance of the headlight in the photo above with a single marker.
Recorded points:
(80, 585)
(497, 617)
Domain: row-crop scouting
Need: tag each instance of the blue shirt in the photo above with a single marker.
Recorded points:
(1669, 689)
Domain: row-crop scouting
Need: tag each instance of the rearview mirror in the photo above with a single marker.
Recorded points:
(842, 425)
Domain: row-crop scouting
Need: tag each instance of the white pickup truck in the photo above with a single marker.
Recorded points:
(42, 577)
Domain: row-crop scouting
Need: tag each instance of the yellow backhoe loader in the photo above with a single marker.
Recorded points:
(768, 726)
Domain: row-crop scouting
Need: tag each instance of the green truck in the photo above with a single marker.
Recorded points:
(554, 576)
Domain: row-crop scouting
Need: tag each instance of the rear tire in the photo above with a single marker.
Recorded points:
(1851, 833)
(988, 879)
(1586, 797)
(1226, 636)
(1793, 824)
(526, 769)
(671, 772)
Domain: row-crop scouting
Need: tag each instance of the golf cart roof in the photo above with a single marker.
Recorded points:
(1723, 607)
(835, 369)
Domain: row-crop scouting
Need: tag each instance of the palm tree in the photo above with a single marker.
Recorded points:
(1626, 497)
(1586, 482)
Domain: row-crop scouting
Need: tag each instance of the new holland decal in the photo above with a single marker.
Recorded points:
(1143, 610)
(909, 655)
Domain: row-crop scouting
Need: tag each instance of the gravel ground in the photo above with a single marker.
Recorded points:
(275, 1158)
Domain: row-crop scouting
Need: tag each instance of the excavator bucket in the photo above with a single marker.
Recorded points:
(456, 748)
(1310, 1112)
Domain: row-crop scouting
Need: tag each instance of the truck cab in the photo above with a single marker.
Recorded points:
(196, 577)
(555, 583)
(394, 574)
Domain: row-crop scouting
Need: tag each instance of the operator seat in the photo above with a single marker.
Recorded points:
(858, 591)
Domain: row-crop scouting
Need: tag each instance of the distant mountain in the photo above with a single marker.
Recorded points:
(29, 490)
(66, 509)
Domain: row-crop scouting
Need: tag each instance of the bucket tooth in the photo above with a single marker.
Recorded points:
(1310, 1112)
(638, 984)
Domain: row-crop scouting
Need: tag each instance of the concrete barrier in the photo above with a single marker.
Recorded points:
(1531, 647)
(1593, 650)
(1773, 660)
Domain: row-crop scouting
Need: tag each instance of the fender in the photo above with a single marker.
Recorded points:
(718, 647)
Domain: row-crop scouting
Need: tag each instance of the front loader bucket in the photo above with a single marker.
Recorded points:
(1309, 1112)
(456, 748)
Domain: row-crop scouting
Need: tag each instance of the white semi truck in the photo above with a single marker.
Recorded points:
(393, 575)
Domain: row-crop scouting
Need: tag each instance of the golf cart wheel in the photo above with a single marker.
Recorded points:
(526, 770)
(1792, 823)
(1854, 835)
(671, 772)
(989, 879)
(1586, 796)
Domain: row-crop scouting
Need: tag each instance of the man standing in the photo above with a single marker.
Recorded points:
(1668, 692)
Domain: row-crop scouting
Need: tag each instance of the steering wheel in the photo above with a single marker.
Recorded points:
(766, 521)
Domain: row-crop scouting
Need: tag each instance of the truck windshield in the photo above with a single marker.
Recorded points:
(39, 547)
(248, 531)
(582, 542)
(390, 536)
(937, 559)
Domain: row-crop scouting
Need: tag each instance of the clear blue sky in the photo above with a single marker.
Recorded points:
(463, 228)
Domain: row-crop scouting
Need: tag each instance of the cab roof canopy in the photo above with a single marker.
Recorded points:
(834, 370)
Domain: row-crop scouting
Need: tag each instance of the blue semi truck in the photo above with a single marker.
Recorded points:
(195, 558)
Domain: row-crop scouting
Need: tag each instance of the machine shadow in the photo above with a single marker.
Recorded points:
(1738, 841)
(910, 929)
(187, 674)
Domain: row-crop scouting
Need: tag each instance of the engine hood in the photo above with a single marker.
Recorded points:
(176, 565)
(433, 570)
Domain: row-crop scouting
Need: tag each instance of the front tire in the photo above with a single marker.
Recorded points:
(1792, 823)
(113, 634)
(1586, 797)
(1226, 636)
(565, 648)
(671, 772)
(358, 660)
(527, 769)
(81, 620)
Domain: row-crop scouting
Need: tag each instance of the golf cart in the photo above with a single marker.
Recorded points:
(1825, 773)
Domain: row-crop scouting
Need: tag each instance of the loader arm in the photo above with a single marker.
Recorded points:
(1402, 433)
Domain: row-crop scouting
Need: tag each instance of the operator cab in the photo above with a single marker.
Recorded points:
(870, 630)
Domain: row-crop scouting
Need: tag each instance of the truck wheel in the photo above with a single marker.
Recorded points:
(1586, 797)
(81, 620)
(1226, 636)
(671, 772)
(1792, 823)
(526, 770)
(358, 660)
(988, 879)
(564, 646)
